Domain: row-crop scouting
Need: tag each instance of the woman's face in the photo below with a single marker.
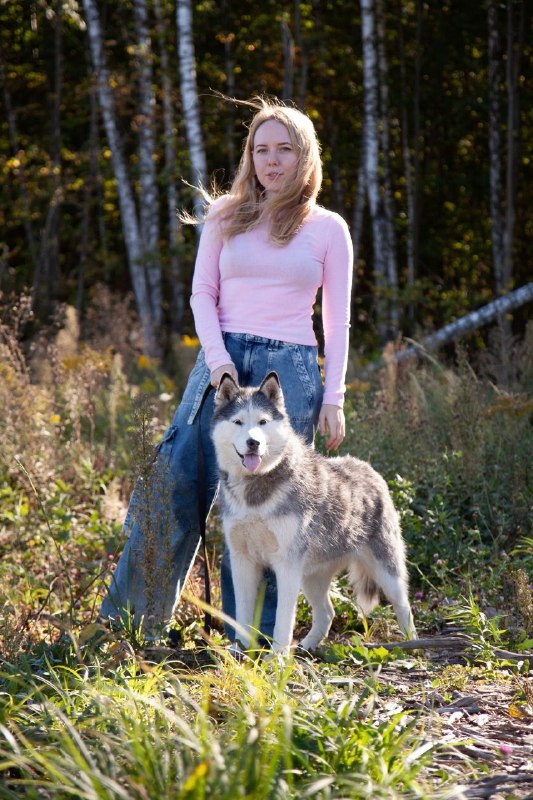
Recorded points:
(275, 159)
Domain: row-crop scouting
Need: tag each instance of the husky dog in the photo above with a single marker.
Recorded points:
(308, 517)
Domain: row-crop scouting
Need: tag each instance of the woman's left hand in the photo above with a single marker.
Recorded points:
(331, 423)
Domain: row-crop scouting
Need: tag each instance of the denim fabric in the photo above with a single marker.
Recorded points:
(162, 519)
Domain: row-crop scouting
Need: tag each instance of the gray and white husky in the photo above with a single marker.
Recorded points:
(308, 517)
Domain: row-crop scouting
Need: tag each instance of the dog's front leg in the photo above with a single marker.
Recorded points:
(288, 582)
(246, 576)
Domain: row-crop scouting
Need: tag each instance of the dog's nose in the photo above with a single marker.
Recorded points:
(252, 444)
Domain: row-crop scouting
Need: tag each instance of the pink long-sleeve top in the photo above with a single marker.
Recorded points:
(247, 284)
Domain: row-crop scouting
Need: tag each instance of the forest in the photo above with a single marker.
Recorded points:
(113, 114)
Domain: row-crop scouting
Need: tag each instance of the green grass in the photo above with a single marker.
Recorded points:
(89, 714)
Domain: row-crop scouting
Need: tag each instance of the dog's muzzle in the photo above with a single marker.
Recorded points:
(250, 460)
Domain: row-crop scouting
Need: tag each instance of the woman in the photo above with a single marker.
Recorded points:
(265, 250)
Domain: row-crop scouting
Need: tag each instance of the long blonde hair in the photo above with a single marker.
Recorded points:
(247, 205)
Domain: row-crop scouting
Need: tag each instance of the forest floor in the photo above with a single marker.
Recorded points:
(485, 738)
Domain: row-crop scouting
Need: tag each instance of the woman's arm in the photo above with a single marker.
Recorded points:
(336, 304)
(206, 289)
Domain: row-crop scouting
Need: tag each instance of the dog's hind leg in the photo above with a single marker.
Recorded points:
(371, 575)
(316, 589)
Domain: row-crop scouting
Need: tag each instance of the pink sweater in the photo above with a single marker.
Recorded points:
(249, 285)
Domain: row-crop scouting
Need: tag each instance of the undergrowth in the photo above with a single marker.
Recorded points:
(87, 713)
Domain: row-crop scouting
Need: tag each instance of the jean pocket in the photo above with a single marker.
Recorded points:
(302, 370)
(163, 449)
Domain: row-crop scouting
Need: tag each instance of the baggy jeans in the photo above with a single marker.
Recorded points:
(163, 515)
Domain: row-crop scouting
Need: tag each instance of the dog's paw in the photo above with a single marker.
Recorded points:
(308, 644)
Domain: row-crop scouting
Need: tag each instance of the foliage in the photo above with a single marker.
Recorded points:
(240, 51)
(90, 713)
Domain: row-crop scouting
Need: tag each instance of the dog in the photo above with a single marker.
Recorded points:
(307, 517)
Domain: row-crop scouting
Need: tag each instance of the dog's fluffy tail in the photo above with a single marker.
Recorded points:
(365, 588)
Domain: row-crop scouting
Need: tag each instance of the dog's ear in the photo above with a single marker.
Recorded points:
(227, 390)
(271, 388)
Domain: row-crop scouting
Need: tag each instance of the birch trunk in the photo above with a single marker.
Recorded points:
(288, 60)
(304, 60)
(408, 172)
(130, 224)
(495, 154)
(371, 147)
(386, 188)
(189, 99)
(174, 228)
(149, 195)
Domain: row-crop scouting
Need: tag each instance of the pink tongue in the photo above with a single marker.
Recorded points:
(252, 462)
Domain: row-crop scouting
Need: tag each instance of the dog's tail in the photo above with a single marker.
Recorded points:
(365, 588)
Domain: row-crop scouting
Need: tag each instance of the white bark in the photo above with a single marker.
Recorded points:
(371, 147)
(386, 188)
(130, 224)
(477, 319)
(149, 195)
(170, 169)
(460, 327)
(189, 98)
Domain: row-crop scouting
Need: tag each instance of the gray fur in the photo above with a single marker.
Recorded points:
(306, 516)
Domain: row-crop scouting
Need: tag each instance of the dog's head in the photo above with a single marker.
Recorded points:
(249, 426)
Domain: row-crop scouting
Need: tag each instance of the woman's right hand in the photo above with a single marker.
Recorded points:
(216, 375)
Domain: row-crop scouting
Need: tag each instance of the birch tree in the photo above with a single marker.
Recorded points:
(129, 218)
(386, 185)
(148, 196)
(189, 99)
(371, 150)
(176, 283)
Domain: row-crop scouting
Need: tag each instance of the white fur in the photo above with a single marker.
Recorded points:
(262, 529)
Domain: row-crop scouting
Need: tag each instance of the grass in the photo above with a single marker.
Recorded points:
(85, 713)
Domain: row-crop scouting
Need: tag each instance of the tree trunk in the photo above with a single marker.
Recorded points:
(174, 228)
(304, 60)
(495, 154)
(288, 60)
(477, 319)
(386, 188)
(189, 99)
(371, 148)
(149, 195)
(130, 224)
(49, 245)
(417, 139)
(514, 47)
(408, 172)
(460, 327)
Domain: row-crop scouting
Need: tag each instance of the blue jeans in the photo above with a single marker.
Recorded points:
(163, 514)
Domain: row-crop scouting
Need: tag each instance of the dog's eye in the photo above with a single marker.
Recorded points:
(237, 422)
(263, 421)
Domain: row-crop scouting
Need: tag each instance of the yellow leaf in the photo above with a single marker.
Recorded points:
(515, 711)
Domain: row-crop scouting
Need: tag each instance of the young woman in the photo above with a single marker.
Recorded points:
(265, 250)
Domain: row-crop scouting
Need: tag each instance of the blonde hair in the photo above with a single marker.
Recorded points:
(247, 205)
